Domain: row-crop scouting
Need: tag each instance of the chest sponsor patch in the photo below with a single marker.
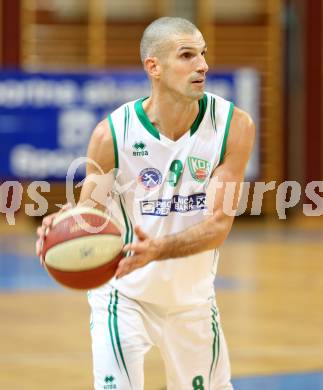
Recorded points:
(150, 178)
(177, 204)
(199, 168)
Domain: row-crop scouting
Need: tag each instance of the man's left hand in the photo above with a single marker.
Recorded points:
(144, 251)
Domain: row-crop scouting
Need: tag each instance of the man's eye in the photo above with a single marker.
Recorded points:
(187, 55)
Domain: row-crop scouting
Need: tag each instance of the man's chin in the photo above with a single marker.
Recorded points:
(197, 95)
(193, 95)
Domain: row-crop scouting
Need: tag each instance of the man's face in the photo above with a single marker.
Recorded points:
(183, 68)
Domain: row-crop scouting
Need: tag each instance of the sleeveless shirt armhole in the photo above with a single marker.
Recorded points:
(115, 145)
(226, 133)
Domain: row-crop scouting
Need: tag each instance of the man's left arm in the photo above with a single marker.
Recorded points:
(212, 232)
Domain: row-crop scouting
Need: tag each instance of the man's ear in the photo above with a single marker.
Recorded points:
(152, 67)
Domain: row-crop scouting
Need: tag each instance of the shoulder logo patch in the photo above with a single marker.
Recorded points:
(199, 168)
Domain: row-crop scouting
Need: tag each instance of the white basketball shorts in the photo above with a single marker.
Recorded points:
(189, 338)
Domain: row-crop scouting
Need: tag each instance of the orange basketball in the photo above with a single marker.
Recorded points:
(83, 248)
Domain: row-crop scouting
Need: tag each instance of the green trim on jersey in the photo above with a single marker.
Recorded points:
(226, 133)
(152, 129)
(126, 124)
(212, 110)
(115, 145)
(91, 321)
(128, 225)
(200, 115)
(125, 222)
(144, 118)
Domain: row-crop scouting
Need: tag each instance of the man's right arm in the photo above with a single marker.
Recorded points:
(99, 177)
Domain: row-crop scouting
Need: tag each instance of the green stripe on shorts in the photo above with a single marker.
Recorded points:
(115, 324)
(110, 328)
(216, 342)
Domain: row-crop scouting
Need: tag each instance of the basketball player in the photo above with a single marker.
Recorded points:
(169, 146)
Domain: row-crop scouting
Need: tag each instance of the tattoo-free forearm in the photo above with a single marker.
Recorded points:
(203, 236)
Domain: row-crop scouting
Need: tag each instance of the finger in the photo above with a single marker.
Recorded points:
(65, 207)
(121, 270)
(140, 233)
(39, 249)
(127, 265)
(138, 247)
(130, 247)
(121, 273)
(41, 231)
(48, 220)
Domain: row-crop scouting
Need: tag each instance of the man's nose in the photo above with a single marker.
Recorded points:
(202, 66)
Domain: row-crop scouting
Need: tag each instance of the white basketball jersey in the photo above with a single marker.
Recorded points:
(162, 188)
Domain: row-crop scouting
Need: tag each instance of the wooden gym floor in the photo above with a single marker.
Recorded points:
(269, 290)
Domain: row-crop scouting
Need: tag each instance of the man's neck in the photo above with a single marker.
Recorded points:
(171, 117)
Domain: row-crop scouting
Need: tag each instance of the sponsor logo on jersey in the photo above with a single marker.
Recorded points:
(139, 149)
(199, 168)
(177, 204)
(109, 382)
(150, 178)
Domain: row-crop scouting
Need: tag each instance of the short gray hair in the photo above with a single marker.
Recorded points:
(160, 30)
